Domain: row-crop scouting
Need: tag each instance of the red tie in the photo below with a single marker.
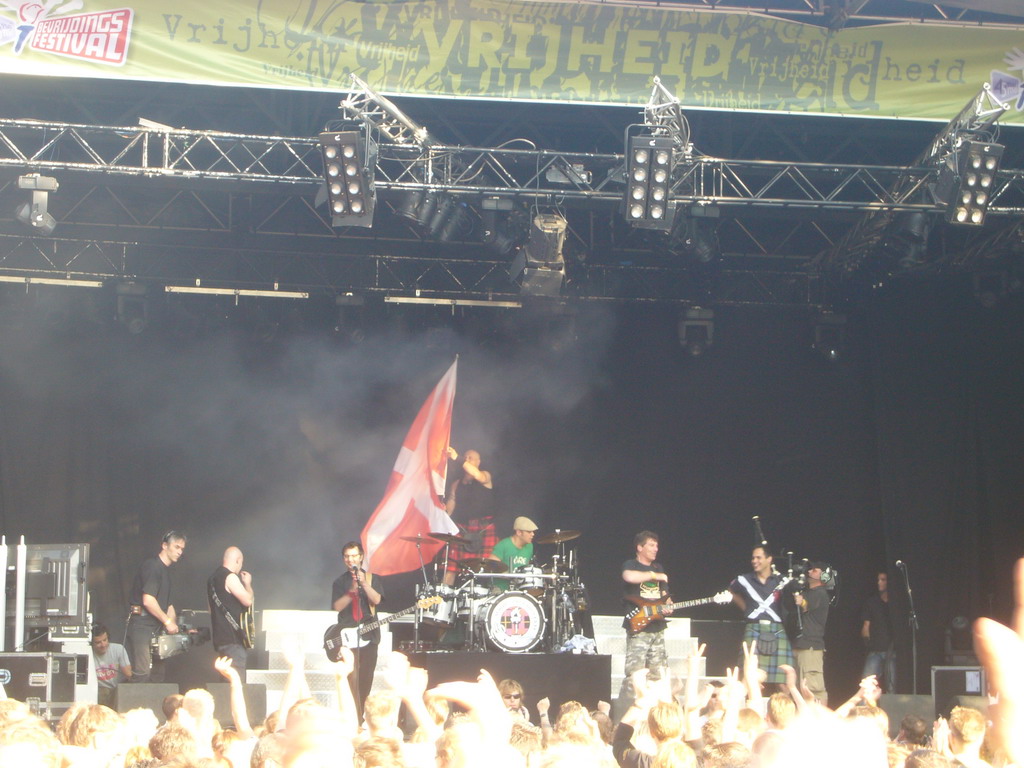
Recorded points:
(357, 609)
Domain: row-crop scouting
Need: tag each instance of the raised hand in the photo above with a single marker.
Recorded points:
(1001, 650)
(345, 664)
(223, 665)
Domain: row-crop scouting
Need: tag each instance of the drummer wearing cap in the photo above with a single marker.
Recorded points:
(516, 550)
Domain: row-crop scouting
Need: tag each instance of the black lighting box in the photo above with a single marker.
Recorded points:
(44, 681)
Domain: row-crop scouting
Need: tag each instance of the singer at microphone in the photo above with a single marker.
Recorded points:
(877, 632)
(355, 595)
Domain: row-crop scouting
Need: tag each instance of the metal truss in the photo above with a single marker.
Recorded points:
(424, 276)
(136, 202)
(200, 159)
(914, 184)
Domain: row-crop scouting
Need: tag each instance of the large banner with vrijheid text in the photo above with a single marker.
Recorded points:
(575, 52)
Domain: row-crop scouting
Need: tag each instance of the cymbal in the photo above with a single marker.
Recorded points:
(447, 538)
(413, 538)
(558, 537)
(483, 565)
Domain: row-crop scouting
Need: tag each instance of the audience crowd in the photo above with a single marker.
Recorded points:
(672, 723)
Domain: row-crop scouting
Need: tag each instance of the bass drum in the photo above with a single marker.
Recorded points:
(513, 622)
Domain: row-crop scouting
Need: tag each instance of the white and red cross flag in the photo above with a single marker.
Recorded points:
(413, 502)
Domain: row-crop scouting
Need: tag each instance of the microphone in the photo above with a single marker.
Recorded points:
(899, 564)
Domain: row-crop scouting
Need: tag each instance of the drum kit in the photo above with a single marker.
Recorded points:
(533, 608)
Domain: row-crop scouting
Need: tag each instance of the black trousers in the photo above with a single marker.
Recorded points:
(361, 680)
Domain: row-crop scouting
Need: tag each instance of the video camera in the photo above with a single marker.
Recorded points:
(168, 646)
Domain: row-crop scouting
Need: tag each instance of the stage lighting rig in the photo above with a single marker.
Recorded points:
(697, 330)
(966, 181)
(350, 159)
(540, 264)
(35, 214)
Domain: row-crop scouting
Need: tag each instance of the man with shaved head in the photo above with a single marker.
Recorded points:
(230, 593)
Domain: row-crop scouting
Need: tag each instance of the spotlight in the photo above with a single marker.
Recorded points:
(701, 240)
(909, 241)
(697, 330)
(967, 180)
(35, 214)
(649, 164)
(349, 323)
(829, 335)
(540, 263)
(349, 162)
(494, 233)
(132, 307)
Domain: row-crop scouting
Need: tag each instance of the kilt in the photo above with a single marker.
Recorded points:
(457, 553)
(773, 648)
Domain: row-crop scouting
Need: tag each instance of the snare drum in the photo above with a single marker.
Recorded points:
(513, 621)
(531, 580)
(443, 613)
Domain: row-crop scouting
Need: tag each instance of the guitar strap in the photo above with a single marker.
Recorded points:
(763, 606)
(215, 600)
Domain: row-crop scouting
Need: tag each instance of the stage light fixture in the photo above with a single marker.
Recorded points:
(132, 307)
(967, 181)
(829, 335)
(349, 162)
(539, 264)
(697, 330)
(649, 164)
(35, 214)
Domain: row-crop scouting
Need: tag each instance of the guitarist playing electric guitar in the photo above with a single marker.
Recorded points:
(644, 578)
(230, 594)
(355, 596)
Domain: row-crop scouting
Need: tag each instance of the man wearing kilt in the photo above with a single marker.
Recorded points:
(470, 502)
(759, 595)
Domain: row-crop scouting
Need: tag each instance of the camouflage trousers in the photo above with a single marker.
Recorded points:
(644, 650)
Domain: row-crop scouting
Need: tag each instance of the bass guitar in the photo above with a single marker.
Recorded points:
(647, 611)
(337, 637)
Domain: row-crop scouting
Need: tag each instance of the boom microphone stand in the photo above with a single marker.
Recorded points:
(911, 619)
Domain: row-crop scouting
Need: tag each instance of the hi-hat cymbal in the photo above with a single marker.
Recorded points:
(414, 538)
(483, 565)
(448, 538)
(558, 537)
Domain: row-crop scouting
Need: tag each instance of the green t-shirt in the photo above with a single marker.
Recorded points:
(506, 551)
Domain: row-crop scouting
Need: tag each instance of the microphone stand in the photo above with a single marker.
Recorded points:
(912, 620)
(356, 652)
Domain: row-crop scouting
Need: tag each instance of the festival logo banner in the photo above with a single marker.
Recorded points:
(581, 52)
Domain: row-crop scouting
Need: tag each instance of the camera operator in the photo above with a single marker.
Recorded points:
(809, 644)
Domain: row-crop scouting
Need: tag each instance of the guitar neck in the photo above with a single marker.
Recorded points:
(687, 604)
(364, 628)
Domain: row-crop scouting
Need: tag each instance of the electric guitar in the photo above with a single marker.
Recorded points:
(647, 611)
(336, 637)
(247, 627)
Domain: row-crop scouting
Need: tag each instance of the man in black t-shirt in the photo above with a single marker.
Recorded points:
(151, 608)
(879, 640)
(809, 645)
(355, 595)
(644, 578)
(230, 594)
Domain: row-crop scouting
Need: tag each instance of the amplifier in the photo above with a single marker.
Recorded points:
(44, 681)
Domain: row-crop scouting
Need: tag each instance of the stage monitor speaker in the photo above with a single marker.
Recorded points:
(255, 702)
(146, 695)
(950, 682)
(899, 705)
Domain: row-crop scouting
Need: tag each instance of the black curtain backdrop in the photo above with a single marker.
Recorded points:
(908, 448)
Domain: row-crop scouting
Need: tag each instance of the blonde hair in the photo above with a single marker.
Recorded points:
(665, 721)
(781, 710)
(675, 754)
